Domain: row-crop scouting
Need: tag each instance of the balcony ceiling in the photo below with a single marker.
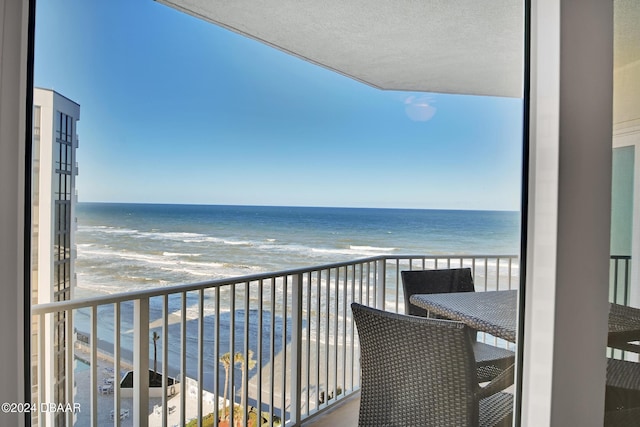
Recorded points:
(445, 46)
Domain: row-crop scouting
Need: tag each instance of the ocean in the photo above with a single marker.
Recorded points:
(130, 247)
(124, 247)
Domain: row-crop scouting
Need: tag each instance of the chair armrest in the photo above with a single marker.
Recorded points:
(499, 383)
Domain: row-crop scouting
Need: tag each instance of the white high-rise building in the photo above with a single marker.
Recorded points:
(54, 171)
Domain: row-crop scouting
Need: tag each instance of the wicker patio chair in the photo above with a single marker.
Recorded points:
(421, 372)
(622, 398)
(491, 360)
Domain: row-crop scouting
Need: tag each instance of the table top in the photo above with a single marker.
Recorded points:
(624, 327)
(495, 312)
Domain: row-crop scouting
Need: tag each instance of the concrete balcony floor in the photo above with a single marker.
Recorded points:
(345, 414)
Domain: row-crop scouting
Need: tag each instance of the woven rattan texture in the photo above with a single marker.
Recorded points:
(434, 282)
(623, 374)
(493, 312)
(491, 360)
(419, 372)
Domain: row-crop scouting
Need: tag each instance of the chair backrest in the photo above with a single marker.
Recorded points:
(415, 371)
(434, 282)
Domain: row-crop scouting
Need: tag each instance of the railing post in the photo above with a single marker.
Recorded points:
(381, 283)
(140, 363)
(627, 289)
(200, 369)
(93, 363)
(183, 352)
(296, 350)
(69, 351)
(43, 367)
(116, 360)
(165, 359)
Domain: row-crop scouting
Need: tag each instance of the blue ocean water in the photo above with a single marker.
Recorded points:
(127, 247)
(124, 247)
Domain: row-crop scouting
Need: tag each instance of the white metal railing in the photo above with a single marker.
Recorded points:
(296, 325)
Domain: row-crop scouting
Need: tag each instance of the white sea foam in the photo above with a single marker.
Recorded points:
(110, 230)
(164, 261)
(202, 239)
(176, 235)
(192, 272)
(371, 249)
(91, 227)
(333, 251)
(194, 269)
(177, 267)
(83, 252)
(87, 288)
(284, 247)
(154, 259)
(237, 243)
(178, 254)
(355, 251)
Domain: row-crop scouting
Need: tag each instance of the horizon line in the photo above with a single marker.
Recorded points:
(297, 206)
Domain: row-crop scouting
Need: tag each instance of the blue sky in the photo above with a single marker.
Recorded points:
(177, 110)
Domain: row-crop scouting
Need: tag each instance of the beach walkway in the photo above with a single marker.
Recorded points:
(105, 402)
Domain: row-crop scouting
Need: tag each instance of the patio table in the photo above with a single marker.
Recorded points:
(624, 327)
(495, 312)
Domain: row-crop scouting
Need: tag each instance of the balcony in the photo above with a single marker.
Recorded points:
(295, 321)
(290, 321)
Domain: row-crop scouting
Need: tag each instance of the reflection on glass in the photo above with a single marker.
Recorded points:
(622, 398)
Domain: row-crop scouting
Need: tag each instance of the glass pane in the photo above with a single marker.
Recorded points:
(623, 394)
(212, 157)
